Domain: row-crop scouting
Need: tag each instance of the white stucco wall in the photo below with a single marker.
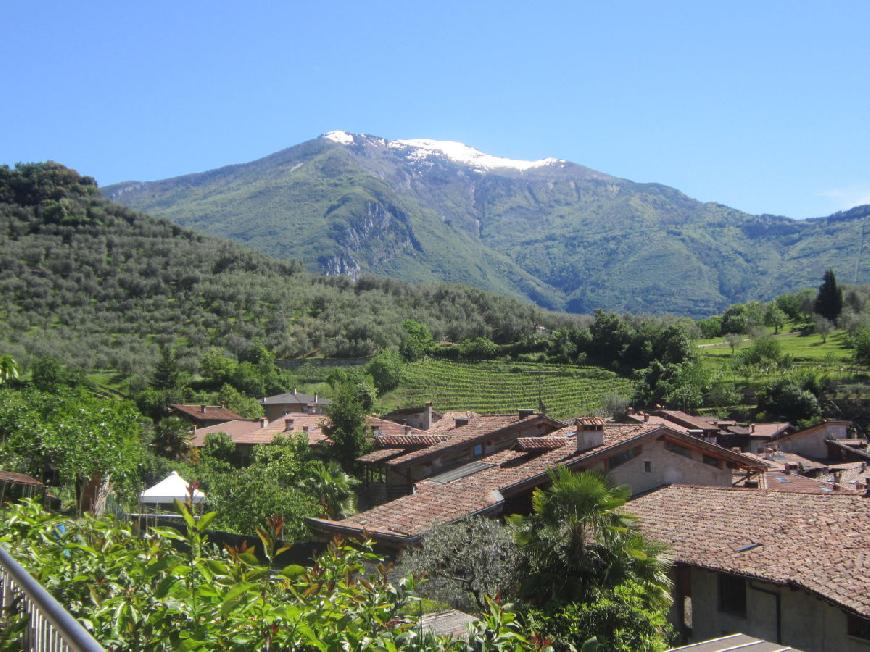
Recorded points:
(668, 468)
(813, 444)
(807, 622)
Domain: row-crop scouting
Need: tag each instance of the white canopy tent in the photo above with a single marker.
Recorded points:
(173, 487)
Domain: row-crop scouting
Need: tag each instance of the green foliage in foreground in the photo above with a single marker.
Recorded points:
(146, 592)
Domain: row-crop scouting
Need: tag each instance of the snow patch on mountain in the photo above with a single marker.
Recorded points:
(341, 137)
(423, 148)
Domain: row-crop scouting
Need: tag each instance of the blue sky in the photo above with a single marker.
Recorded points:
(764, 106)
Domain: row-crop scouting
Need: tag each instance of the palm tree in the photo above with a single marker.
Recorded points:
(8, 369)
(333, 486)
(578, 540)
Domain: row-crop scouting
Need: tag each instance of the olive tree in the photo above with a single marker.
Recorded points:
(464, 562)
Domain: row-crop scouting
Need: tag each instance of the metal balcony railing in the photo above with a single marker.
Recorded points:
(50, 628)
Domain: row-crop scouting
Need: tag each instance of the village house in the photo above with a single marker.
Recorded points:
(203, 415)
(278, 405)
(402, 458)
(788, 567)
(642, 456)
(752, 437)
(248, 433)
(422, 418)
(728, 433)
(812, 442)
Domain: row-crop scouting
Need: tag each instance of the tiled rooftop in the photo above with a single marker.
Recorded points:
(478, 427)
(387, 427)
(818, 542)
(689, 420)
(508, 472)
(379, 455)
(206, 412)
(252, 433)
(655, 420)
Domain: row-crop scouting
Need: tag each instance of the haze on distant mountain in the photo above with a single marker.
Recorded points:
(560, 234)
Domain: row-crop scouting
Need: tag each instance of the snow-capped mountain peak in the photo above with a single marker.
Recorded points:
(341, 137)
(420, 149)
(423, 148)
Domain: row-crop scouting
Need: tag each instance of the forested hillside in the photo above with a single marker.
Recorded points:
(100, 286)
(560, 234)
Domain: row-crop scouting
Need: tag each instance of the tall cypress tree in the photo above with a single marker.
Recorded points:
(829, 301)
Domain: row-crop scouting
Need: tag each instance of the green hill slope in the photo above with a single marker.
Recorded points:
(100, 285)
(557, 233)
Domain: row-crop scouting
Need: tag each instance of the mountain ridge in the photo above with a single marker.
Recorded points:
(558, 233)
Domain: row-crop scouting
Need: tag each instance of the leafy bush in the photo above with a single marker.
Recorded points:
(162, 590)
(785, 399)
(386, 370)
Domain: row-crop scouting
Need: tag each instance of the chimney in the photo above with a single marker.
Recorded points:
(459, 422)
(590, 433)
(288, 424)
(305, 429)
(315, 397)
(264, 422)
(645, 417)
(202, 408)
(525, 414)
(428, 423)
(406, 430)
(751, 427)
(294, 391)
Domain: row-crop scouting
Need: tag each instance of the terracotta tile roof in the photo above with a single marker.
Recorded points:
(732, 642)
(379, 455)
(479, 427)
(19, 478)
(253, 433)
(232, 428)
(848, 474)
(688, 420)
(387, 427)
(451, 623)
(654, 419)
(817, 542)
(507, 473)
(780, 481)
(769, 429)
(205, 412)
(408, 441)
(544, 443)
(778, 459)
(848, 449)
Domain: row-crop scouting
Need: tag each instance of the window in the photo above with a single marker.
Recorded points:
(732, 595)
(676, 448)
(712, 461)
(858, 627)
(647, 466)
(478, 450)
(623, 457)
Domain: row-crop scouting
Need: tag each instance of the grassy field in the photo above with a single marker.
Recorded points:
(807, 351)
(496, 386)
